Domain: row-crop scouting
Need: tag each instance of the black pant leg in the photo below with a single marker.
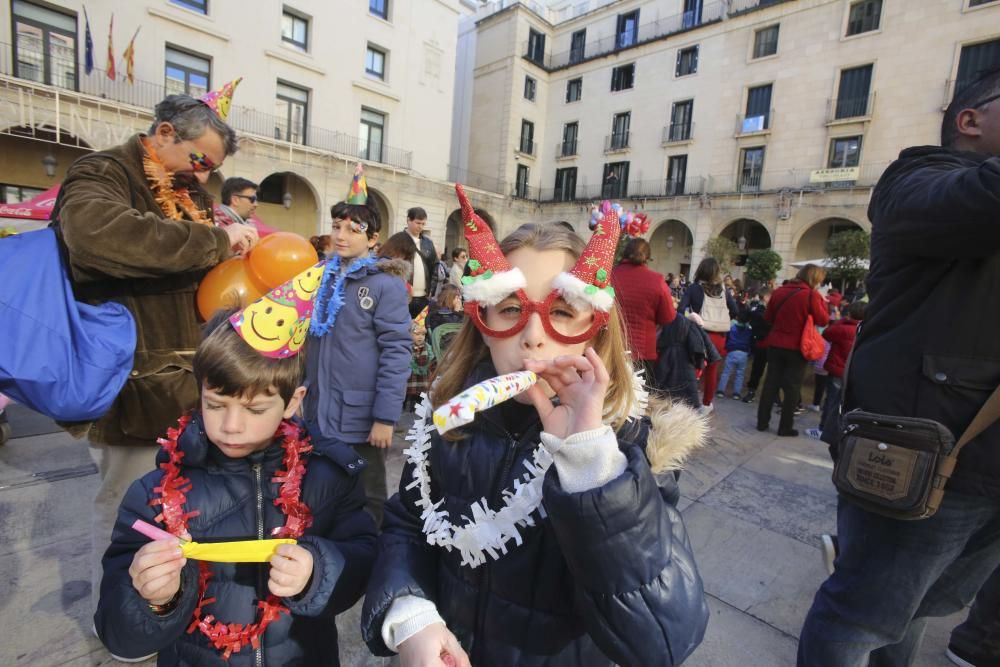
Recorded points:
(820, 388)
(772, 381)
(793, 370)
(759, 364)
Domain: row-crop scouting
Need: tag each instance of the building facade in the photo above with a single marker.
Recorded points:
(765, 121)
(324, 85)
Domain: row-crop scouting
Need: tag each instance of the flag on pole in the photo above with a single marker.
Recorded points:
(129, 56)
(112, 74)
(88, 40)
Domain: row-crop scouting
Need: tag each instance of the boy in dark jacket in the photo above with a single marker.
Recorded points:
(240, 468)
(739, 342)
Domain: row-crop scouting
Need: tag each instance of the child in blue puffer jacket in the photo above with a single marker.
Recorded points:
(739, 344)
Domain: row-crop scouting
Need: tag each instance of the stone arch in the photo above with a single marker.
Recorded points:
(454, 234)
(753, 233)
(384, 208)
(671, 247)
(28, 152)
(298, 212)
(810, 242)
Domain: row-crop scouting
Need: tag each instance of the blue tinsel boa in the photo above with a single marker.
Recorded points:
(329, 300)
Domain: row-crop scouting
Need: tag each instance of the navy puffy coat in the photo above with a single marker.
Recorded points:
(608, 577)
(225, 491)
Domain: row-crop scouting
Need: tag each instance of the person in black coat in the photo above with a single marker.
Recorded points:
(232, 469)
(682, 349)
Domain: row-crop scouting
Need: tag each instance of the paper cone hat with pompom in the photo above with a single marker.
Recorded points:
(491, 279)
(276, 324)
(357, 193)
(588, 285)
(221, 100)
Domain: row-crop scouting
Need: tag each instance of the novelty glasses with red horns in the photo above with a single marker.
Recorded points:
(561, 321)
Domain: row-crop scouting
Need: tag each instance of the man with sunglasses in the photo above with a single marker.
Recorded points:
(928, 348)
(137, 227)
(239, 201)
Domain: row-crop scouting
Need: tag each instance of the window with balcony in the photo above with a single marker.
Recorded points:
(200, 6)
(620, 131)
(614, 184)
(623, 77)
(976, 60)
(44, 45)
(527, 145)
(536, 46)
(565, 189)
(687, 61)
(627, 32)
(864, 16)
(676, 174)
(758, 115)
(187, 73)
(574, 90)
(765, 42)
(529, 88)
(379, 8)
(577, 46)
(375, 62)
(291, 109)
(570, 133)
(692, 13)
(521, 182)
(294, 29)
(681, 117)
(751, 169)
(854, 92)
(371, 135)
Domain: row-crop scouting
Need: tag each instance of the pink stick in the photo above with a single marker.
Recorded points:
(151, 531)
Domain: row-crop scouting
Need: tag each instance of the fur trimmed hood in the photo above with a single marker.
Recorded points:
(395, 267)
(676, 431)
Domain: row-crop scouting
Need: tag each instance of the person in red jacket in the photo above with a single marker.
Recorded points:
(841, 335)
(787, 311)
(645, 301)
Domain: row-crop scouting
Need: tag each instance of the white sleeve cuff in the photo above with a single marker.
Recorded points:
(586, 460)
(407, 616)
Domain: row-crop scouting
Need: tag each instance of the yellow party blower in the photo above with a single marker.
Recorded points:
(244, 551)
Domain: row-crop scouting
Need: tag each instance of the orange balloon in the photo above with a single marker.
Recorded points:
(279, 257)
(228, 285)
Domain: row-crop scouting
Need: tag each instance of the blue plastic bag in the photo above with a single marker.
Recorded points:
(59, 357)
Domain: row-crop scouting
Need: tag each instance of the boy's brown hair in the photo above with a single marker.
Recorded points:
(226, 364)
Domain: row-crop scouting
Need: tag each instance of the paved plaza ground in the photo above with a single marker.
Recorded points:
(754, 504)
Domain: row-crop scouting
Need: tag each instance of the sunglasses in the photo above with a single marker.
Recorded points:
(201, 162)
(251, 198)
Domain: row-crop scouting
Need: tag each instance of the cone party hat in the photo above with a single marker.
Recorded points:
(588, 285)
(221, 100)
(420, 321)
(491, 278)
(358, 192)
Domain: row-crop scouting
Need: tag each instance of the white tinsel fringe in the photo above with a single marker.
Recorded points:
(574, 291)
(491, 291)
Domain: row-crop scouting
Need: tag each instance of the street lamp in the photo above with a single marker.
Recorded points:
(741, 243)
(670, 242)
(286, 199)
(50, 163)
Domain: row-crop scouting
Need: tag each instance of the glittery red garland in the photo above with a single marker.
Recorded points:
(232, 637)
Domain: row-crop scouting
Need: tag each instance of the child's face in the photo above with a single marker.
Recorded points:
(540, 267)
(456, 303)
(419, 336)
(240, 426)
(349, 243)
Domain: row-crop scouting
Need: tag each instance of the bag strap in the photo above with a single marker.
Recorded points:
(987, 415)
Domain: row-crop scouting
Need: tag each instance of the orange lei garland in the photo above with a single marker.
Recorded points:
(232, 637)
(172, 201)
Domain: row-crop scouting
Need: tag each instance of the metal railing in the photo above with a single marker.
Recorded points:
(753, 124)
(566, 149)
(843, 108)
(478, 181)
(678, 132)
(146, 94)
(617, 141)
(524, 192)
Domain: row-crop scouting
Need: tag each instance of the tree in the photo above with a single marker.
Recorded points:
(724, 250)
(848, 253)
(763, 265)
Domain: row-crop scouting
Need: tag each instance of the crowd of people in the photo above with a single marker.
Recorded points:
(274, 417)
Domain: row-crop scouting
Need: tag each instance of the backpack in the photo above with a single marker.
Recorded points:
(715, 313)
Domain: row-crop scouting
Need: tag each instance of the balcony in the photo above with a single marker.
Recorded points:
(69, 76)
(566, 149)
(616, 142)
(678, 133)
(525, 147)
(522, 191)
(850, 109)
(756, 124)
(474, 180)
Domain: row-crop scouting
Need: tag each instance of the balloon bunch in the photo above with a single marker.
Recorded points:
(633, 224)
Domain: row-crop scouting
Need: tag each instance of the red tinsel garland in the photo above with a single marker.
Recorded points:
(232, 637)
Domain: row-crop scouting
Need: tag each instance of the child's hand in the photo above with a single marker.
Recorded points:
(580, 383)
(156, 571)
(434, 646)
(291, 568)
(380, 436)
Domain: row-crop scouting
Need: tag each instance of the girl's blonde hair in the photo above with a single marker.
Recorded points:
(468, 349)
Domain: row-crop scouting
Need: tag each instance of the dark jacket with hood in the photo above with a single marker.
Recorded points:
(682, 349)
(927, 346)
(235, 500)
(607, 577)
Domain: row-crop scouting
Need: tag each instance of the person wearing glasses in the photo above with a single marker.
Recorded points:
(137, 227)
(239, 201)
(925, 350)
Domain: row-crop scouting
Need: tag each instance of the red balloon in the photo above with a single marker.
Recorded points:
(228, 285)
(279, 257)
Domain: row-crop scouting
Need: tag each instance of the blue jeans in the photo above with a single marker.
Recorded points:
(980, 634)
(892, 575)
(735, 361)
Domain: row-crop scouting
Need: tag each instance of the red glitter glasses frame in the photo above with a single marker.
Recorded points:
(472, 309)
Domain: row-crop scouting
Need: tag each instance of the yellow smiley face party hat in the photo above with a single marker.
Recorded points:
(276, 324)
(221, 100)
